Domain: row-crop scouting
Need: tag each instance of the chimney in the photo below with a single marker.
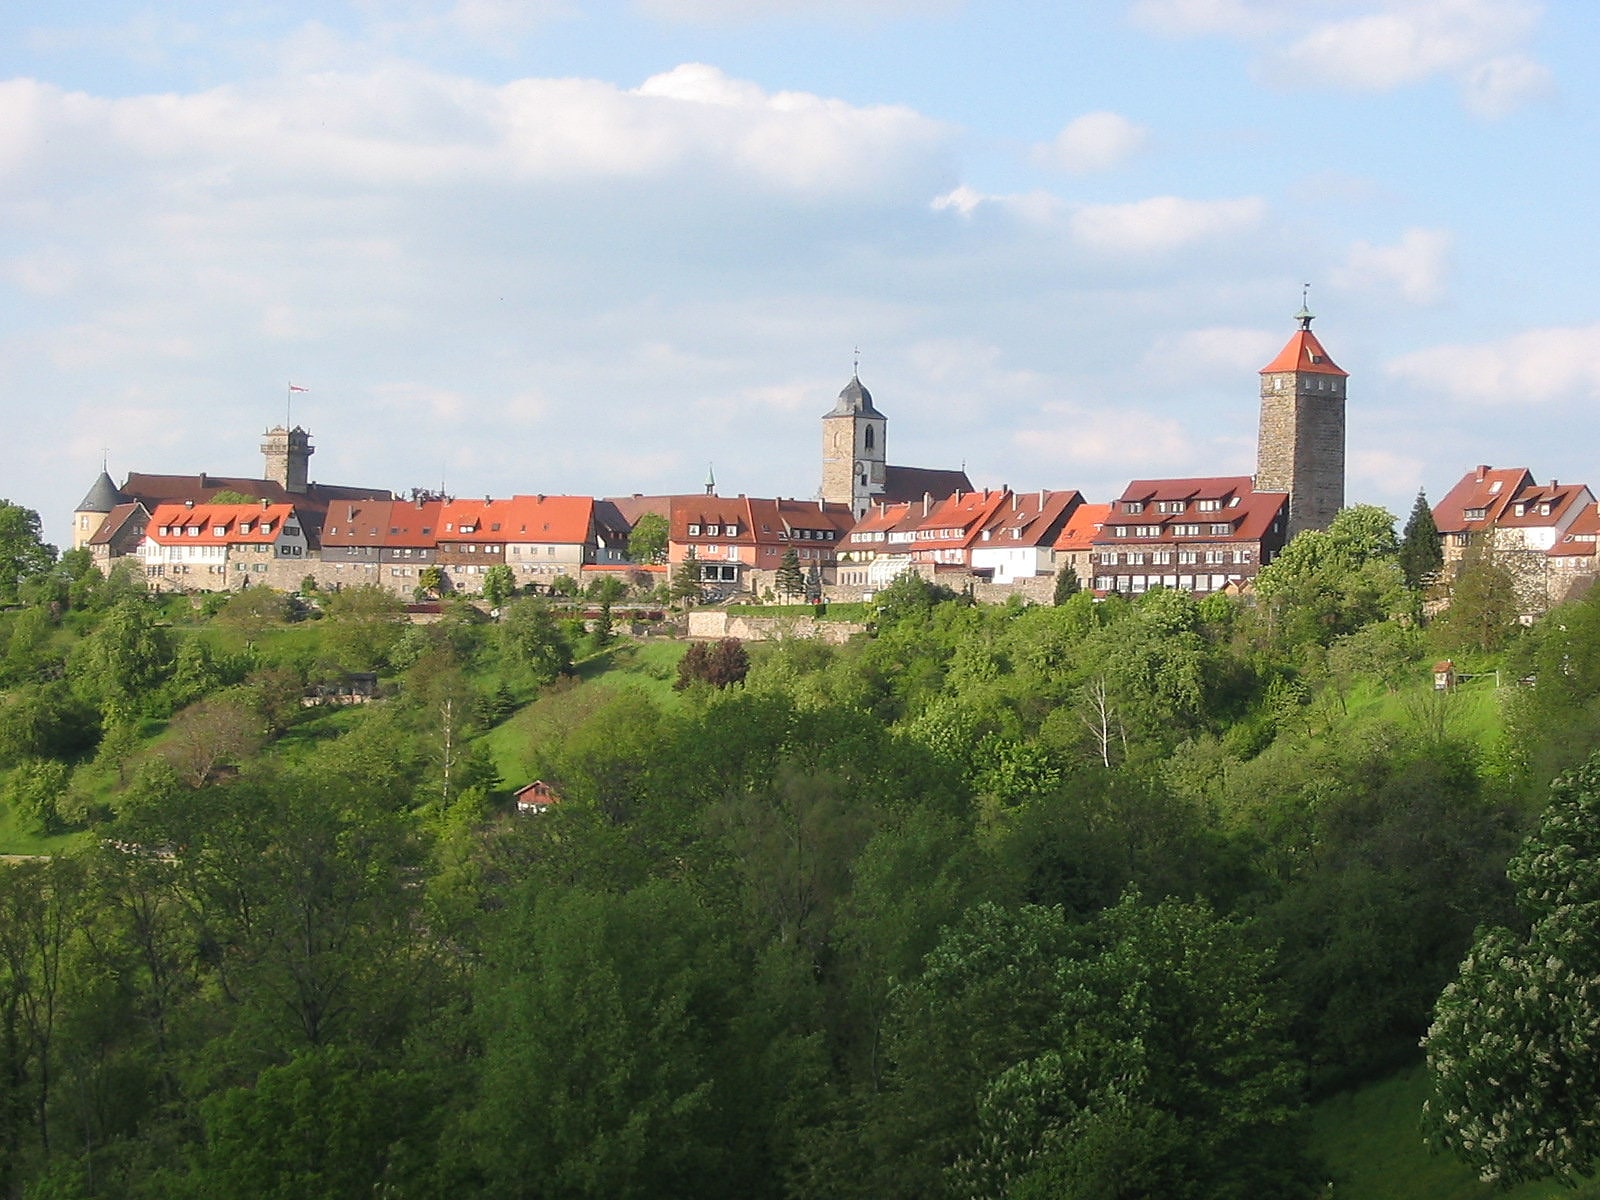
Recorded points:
(1555, 483)
(202, 479)
(927, 503)
(265, 504)
(1482, 471)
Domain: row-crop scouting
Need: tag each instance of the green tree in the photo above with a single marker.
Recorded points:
(364, 626)
(1037, 1058)
(23, 550)
(1067, 584)
(532, 643)
(1483, 604)
(1512, 1053)
(1421, 554)
(790, 580)
(499, 584)
(430, 580)
(124, 661)
(623, 1055)
(647, 542)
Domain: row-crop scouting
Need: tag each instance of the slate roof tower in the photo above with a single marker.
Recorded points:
(1300, 443)
(853, 462)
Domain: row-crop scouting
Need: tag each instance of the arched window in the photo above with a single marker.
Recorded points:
(871, 436)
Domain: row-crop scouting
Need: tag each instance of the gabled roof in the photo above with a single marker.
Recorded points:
(781, 519)
(1537, 507)
(881, 518)
(132, 514)
(310, 505)
(913, 483)
(218, 524)
(1485, 492)
(1081, 526)
(1581, 537)
(402, 523)
(1031, 518)
(1249, 514)
(705, 511)
(967, 513)
(565, 520)
(1216, 487)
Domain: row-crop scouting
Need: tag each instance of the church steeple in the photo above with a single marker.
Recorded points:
(1300, 446)
(853, 451)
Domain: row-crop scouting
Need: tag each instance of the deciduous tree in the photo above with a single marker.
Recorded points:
(1513, 1052)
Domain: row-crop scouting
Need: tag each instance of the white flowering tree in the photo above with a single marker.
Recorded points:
(1514, 1051)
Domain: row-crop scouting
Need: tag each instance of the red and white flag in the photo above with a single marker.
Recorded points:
(295, 387)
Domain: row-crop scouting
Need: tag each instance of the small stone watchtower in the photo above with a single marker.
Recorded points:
(288, 456)
(853, 454)
(1300, 444)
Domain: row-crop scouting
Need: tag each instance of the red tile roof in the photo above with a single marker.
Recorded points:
(382, 523)
(1302, 352)
(218, 524)
(1485, 492)
(1032, 518)
(1082, 526)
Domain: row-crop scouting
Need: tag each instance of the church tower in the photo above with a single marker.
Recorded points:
(853, 450)
(103, 496)
(1300, 444)
(288, 456)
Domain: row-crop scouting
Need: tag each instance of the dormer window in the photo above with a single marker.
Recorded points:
(245, 527)
(1133, 506)
(711, 530)
(694, 531)
(1544, 509)
(1521, 509)
(1473, 514)
(732, 531)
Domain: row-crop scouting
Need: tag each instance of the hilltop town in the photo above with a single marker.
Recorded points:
(869, 522)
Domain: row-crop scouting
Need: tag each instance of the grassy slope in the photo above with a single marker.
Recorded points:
(650, 667)
(1372, 1144)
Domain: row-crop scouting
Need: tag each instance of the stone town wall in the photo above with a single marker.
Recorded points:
(713, 624)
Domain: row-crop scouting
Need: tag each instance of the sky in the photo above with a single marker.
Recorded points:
(601, 247)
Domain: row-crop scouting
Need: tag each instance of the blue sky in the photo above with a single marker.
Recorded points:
(591, 247)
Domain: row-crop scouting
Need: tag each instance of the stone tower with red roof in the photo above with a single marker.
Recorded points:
(1300, 445)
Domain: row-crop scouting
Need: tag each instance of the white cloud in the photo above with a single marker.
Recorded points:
(1226, 354)
(1162, 223)
(1416, 266)
(403, 125)
(1096, 141)
(1502, 85)
(1112, 441)
(1375, 45)
(1540, 366)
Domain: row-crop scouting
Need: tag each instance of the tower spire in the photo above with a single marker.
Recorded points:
(1305, 316)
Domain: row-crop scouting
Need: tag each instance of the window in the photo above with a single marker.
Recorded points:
(732, 531)
(1119, 531)
(869, 438)
(1186, 531)
(1221, 530)
(694, 531)
(1187, 556)
(1209, 505)
(711, 530)
(1473, 514)
(1133, 506)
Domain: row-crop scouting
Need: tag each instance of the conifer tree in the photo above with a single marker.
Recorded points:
(790, 580)
(1067, 584)
(1421, 556)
